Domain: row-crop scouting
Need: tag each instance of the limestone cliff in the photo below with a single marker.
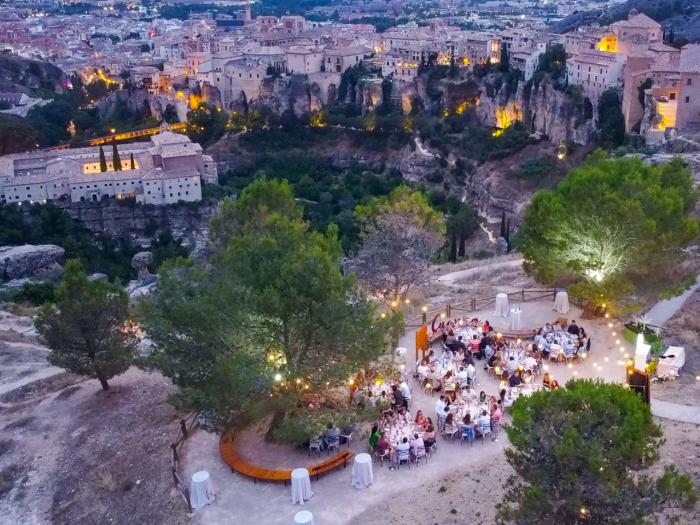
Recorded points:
(138, 223)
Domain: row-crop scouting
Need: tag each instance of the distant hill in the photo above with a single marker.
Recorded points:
(682, 15)
(29, 76)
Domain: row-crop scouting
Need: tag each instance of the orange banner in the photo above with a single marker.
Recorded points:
(421, 341)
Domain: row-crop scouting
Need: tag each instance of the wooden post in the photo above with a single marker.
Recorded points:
(183, 427)
(424, 318)
(189, 502)
(473, 300)
(449, 311)
(523, 294)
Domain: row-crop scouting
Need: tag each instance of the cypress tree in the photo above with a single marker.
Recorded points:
(103, 160)
(133, 163)
(507, 237)
(116, 161)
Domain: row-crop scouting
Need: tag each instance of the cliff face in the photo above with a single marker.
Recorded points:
(543, 109)
(23, 75)
(139, 223)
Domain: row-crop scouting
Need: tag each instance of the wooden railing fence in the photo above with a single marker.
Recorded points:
(187, 426)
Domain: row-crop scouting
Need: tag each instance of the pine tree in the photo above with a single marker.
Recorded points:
(103, 160)
(116, 161)
(133, 162)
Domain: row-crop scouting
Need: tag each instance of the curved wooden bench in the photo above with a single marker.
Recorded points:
(228, 453)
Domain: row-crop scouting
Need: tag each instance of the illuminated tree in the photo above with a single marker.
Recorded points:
(580, 453)
(267, 319)
(610, 226)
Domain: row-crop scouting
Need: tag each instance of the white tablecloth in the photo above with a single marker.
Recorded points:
(672, 361)
(301, 486)
(200, 490)
(303, 517)
(502, 304)
(561, 302)
(362, 471)
(516, 319)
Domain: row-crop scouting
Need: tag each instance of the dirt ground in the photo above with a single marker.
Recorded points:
(81, 455)
(684, 330)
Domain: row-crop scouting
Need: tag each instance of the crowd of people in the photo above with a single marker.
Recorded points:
(466, 345)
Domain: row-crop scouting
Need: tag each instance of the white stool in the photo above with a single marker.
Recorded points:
(362, 471)
(200, 490)
(301, 486)
(303, 517)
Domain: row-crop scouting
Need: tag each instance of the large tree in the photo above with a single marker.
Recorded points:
(611, 225)
(85, 327)
(580, 453)
(400, 234)
(268, 319)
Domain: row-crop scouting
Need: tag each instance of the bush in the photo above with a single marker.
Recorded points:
(34, 294)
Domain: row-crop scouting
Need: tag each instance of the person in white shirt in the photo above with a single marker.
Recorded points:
(440, 411)
(483, 421)
(403, 450)
(422, 370)
(471, 372)
(405, 390)
(416, 443)
(469, 394)
(463, 376)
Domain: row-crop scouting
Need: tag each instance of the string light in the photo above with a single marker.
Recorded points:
(425, 308)
(278, 377)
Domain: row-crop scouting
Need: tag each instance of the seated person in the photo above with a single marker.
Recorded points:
(547, 380)
(468, 394)
(382, 445)
(482, 397)
(459, 344)
(474, 344)
(421, 420)
(483, 423)
(516, 379)
(332, 435)
(423, 370)
(573, 328)
(374, 436)
(462, 376)
(486, 327)
(432, 358)
(468, 429)
(403, 449)
(554, 385)
(416, 443)
(429, 437)
(450, 339)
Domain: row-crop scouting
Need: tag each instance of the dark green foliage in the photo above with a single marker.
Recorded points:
(553, 63)
(643, 87)
(580, 453)
(103, 160)
(612, 227)
(540, 172)
(116, 159)
(84, 326)
(504, 64)
(170, 114)
(48, 224)
(34, 294)
(611, 121)
(479, 144)
(206, 124)
(16, 135)
(328, 194)
(165, 247)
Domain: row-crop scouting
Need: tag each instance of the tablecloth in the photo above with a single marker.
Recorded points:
(502, 304)
(303, 517)
(301, 486)
(516, 319)
(362, 471)
(200, 490)
(561, 302)
(672, 361)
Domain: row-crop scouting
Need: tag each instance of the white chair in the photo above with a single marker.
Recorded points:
(347, 436)
(315, 444)
(421, 454)
(401, 456)
(484, 430)
(387, 455)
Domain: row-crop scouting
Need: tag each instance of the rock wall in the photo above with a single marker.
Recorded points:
(139, 223)
(300, 93)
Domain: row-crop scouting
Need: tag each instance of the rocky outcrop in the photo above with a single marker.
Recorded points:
(543, 109)
(299, 93)
(188, 222)
(31, 261)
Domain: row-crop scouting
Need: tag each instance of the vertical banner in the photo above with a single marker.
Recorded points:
(421, 341)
